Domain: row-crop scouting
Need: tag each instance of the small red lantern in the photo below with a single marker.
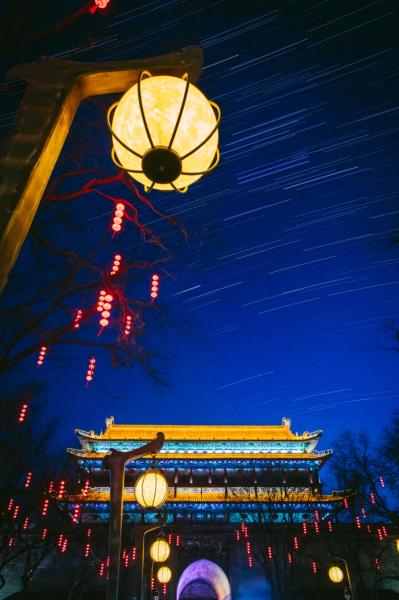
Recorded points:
(154, 287)
(42, 354)
(22, 414)
(90, 370)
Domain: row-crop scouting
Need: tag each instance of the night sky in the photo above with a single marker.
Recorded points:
(282, 300)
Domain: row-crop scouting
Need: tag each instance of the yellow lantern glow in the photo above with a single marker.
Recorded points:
(151, 489)
(164, 575)
(335, 574)
(165, 132)
(160, 550)
(397, 544)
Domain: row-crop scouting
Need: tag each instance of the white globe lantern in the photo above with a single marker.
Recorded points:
(335, 574)
(164, 575)
(165, 132)
(151, 489)
(160, 550)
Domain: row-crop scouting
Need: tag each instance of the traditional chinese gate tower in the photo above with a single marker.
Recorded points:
(219, 476)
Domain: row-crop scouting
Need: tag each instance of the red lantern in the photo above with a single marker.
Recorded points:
(41, 356)
(22, 413)
(90, 370)
(78, 317)
(118, 218)
(154, 287)
(28, 479)
(116, 264)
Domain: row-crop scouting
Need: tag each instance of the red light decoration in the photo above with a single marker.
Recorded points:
(45, 507)
(89, 532)
(76, 514)
(237, 535)
(380, 535)
(22, 413)
(250, 561)
(382, 482)
(330, 526)
(90, 370)
(316, 515)
(269, 552)
(169, 538)
(314, 567)
(357, 522)
(16, 511)
(377, 564)
(152, 584)
(97, 4)
(134, 553)
(10, 543)
(116, 264)
(87, 551)
(51, 487)
(85, 489)
(304, 528)
(61, 489)
(154, 287)
(28, 479)
(289, 558)
(64, 546)
(346, 503)
(101, 569)
(78, 318)
(164, 589)
(384, 531)
(316, 527)
(369, 529)
(10, 504)
(42, 354)
(363, 511)
(44, 533)
(177, 541)
(372, 498)
(248, 547)
(117, 221)
(128, 324)
(60, 540)
(26, 523)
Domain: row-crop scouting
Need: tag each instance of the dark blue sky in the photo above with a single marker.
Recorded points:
(282, 296)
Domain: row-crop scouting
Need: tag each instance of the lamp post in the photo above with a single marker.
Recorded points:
(336, 575)
(115, 462)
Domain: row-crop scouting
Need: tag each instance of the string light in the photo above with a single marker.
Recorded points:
(314, 567)
(61, 489)
(51, 487)
(269, 552)
(289, 558)
(10, 504)
(164, 589)
(89, 532)
(152, 583)
(22, 413)
(372, 498)
(44, 533)
(28, 479)
(379, 533)
(85, 489)
(64, 546)
(316, 527)
(363, 511)
(384, 530)
(26, 523)
(128, 324)
(377, 564)
(117, 221)
(87, 551)
(382, 482)
(296, 543)
(116, 264)
(16, 511)
(330, 526)
(76, 514)
(154, 287)
(101, 569)
(237, 535)
(42, 354)
(90, 370)
(45, 507)
(346, 503)
(357, 522)
(60, 540)
(10, 543)
(77, 319)
(134, 553)
(304, 529)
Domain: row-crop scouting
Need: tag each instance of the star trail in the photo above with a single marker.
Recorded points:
(281, 296)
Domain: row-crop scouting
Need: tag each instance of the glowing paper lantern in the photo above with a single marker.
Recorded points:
(164, 575)
(151, 489)
(335, 574)
(165, 132)
(160, 550)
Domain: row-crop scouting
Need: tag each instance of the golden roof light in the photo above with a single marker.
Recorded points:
(165, 132)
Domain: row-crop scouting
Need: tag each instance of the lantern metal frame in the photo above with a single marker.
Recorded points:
(168, 148)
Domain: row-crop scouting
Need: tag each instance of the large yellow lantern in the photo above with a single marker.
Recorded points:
(160, 550)
(151, 489)
(335, 574)
(165, 132)
(164, 575)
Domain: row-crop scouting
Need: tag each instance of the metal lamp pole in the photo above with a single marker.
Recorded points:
(115, 462)
(348, 577)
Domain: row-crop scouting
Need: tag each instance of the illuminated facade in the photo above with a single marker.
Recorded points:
(215, 473)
